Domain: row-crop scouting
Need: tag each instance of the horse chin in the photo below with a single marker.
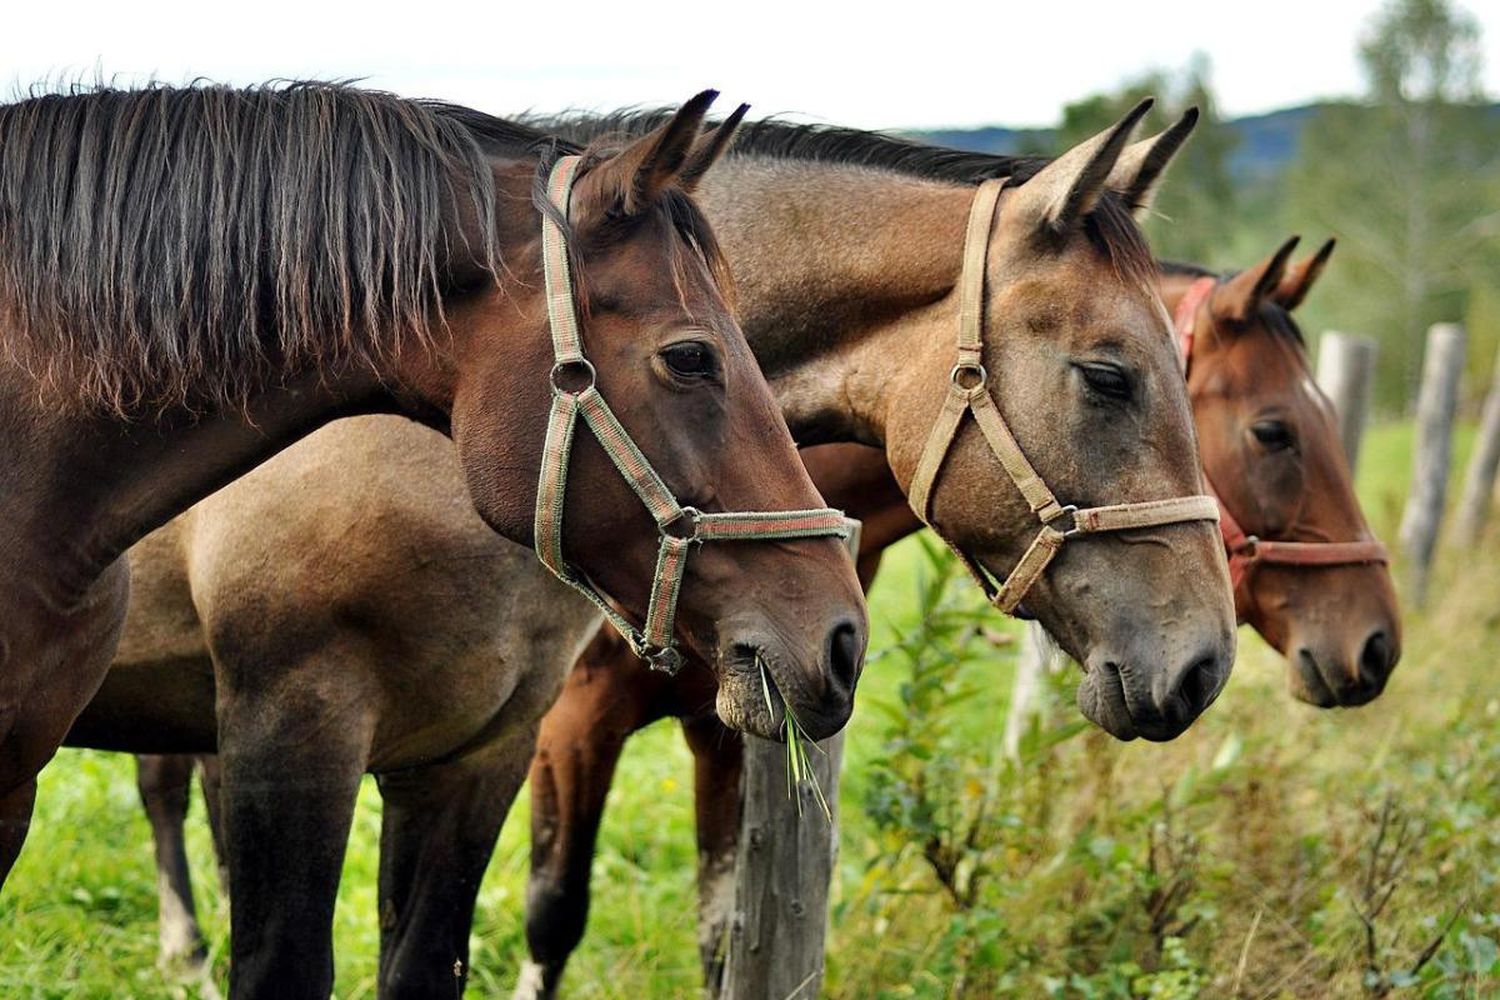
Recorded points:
(1101, 699)
(748, 702)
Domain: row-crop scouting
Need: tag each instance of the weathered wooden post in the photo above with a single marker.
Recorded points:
(1346, 373)
(1479, 480)
(1437, 403)
(783, 869)
(1037, 657)
(785, 865)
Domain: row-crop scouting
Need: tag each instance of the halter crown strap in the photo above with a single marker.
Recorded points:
(575, 394)
(968, 393)
(1245, 550)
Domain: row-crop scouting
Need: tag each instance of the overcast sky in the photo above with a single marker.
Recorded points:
(937, 62)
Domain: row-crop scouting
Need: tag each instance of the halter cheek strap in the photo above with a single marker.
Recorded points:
(1246, 551)
(968, 393)
(575, 395)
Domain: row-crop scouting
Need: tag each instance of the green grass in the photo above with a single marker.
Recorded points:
(1272, 807)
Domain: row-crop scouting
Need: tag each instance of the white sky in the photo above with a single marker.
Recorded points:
(927, 63)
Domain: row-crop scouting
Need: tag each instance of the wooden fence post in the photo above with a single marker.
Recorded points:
(1034, 660)
(1437, 404)
(1479, 480)
(1346, 373)
(782, 874)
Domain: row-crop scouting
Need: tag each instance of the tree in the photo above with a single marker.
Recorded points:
(1197, 203)
(1407, 182)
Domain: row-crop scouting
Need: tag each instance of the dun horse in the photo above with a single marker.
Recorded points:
(1325, 599)
(191, 279)
(849, 277)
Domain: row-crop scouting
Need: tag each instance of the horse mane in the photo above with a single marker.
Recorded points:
(173, 246)
(1110, 226)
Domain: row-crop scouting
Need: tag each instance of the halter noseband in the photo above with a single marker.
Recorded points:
(1247, 551)
(968, 392)
(680, 527)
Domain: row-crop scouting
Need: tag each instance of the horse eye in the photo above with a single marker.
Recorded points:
(689, 359)
(1272, 434)
(1106, 380)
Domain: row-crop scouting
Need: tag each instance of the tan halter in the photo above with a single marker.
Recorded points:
(968, 392)
(681, 527)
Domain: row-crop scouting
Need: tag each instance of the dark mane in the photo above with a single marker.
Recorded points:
(1109, 227)
(1276, 319)
(182, 245)
(1181, 269)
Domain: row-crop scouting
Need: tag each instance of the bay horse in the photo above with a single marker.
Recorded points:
(1270, 443)
(848, 275)
(193, 278)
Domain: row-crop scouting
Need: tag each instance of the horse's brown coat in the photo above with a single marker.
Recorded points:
(845, 278)
(122, 401)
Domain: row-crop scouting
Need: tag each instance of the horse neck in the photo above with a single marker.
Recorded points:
(80, 488)
(838, 269)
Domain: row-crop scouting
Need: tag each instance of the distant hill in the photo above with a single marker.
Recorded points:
(1268, 142)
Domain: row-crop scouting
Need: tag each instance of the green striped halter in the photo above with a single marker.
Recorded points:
(680, 527)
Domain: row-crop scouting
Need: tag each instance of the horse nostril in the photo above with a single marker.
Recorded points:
(1195, 690)
(1375, 659)
(845, 655)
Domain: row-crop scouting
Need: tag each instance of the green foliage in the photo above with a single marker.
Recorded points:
(1410, 182)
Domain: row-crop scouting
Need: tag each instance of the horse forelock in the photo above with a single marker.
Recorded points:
(184, 245)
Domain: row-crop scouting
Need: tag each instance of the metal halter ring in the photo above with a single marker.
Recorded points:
(1067, 511)
(667, 659)
(972, 367)
(686, 514)
(1249, 548)
(577, 364)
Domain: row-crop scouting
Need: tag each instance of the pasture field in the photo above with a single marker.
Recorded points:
(1234, 862)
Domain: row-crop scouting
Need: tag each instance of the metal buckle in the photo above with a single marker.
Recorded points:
(1249, 548)
(973, 368)
(1066, 511)
(665, 659)
(583, 365)
(688, 514)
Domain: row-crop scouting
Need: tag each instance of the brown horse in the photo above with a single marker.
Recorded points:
(847, 272)
(1271, 445)
(191, 279)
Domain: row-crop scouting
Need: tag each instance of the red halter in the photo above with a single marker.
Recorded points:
(1246, 551)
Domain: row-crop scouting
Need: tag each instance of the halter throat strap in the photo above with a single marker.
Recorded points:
(575, 395)
(968, 393)
(1246, 551)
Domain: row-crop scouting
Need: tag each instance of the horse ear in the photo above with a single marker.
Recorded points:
(1238, 299)
(1068, 188)
(708, 150)
(635, 177)
(1141, 165)
(1300, 277)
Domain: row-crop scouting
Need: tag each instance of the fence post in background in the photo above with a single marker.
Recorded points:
(1479, 480)
(1437, 403)
(1033, 661)
(1346, 373)
(783, 870)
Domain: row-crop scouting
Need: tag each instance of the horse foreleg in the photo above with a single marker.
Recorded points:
(606, 698)
(165, 782)
(51, 663)
(212, 775)
(291, 770)
(718, 764)
(437, 833)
